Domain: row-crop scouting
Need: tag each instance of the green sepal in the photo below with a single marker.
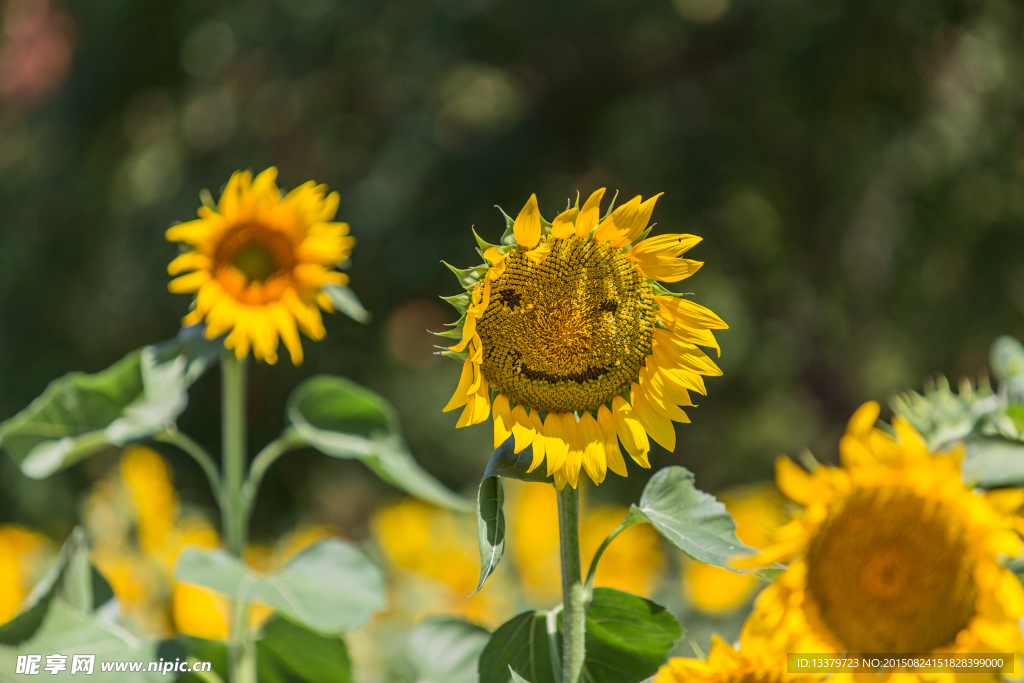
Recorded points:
(460, 301)
(467, 276)
(659, 290)
(483, 244)
(611, 206)
(461, 356)
(451, 334)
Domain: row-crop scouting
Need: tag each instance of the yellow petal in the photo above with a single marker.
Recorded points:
(594, 460)
(663, 245)
(562, 226)
(189, 283)
(191, 260)
(289, 332)
(461, 394)
(611, 228)
(668, 269)
(794, 481)
(539, 254)
(864, 419)
(539, 440)
(606, 422)
(557, 446)
(527, 225)
(631, 432)
(502, 419)
(574, 458)
(522, 428)
(654, 423)
(590, 214)
(693, 314)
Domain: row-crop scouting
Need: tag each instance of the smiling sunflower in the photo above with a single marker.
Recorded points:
(567, 322)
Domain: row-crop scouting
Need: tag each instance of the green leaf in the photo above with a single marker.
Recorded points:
(66, 630)
(693, 521)
(331, 587)
(1006, 358)
(516, 678)
(490, 526)
(942, 416)
(522, 645)
(344, 420)
(346, 301)
(71, 577)
(628, 637)
(81, 414)
(505, 463)
(993, 462)
(286, 651)
(446, 650)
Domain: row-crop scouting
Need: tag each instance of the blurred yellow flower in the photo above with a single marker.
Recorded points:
(24, 558)
(892, 553)
(137, 531)
(758, 512)
(420, 539)
(633, 562)
(755, 660)
(258, 261)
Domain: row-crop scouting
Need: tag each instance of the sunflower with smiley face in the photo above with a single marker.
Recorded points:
(568, 324)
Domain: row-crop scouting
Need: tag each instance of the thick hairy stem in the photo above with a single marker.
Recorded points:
(573, 592)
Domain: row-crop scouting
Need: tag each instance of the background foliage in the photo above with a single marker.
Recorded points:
(855, 167)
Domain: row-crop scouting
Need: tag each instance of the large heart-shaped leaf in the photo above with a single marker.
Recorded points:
(693, 521)
(490, 526)
(628, 637)
(446, 650)
(522, 644)
(344, 420)
(68, 631)
(330, 587)
(81, 414)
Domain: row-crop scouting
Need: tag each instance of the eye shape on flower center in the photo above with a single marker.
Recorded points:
(259, 253)
(570, 331)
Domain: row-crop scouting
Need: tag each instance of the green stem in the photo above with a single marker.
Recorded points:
(288, 441)
(242, 651)
(573, 593)
(592, 572)
(172, 436)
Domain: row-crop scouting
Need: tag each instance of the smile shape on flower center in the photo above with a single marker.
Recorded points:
(890, 573)
(570, 331)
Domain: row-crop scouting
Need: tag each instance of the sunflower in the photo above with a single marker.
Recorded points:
(583, 347)
(258, 263)
(756, 660)
(892, 553)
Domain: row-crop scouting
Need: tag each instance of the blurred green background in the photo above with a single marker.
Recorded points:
(855, 167)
